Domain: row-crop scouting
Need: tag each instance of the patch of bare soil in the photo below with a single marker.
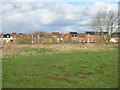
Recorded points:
(64, 71)
(67, 75)
(79, 73)
(56, 79)
(83, 77)
(53, 66)
(100, 72)
(29, 75)
(89, 73)
(56, 74)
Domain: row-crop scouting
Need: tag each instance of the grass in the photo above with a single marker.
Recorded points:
(69, 69)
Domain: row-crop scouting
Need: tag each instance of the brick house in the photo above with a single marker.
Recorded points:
(55, 36)
(71, 36)
(90, 37)
(93, 36)
(36, 37)
(81, 37)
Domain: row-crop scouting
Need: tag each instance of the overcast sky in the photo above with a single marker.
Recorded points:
(51, 15)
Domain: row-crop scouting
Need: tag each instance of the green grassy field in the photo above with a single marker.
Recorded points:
(70, 69)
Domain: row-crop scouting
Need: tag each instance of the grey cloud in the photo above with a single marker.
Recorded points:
(62, 17)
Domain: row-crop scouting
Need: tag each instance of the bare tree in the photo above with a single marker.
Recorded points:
(105, 22)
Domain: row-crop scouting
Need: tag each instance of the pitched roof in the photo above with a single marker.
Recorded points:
(73, 33)
(55, 34)
(93, 33)
(90, 32)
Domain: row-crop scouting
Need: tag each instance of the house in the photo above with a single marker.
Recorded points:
(82, 37)
(13, 36)
(74, 34)
(62, 36)
(90, 37)
(55, 36)
(23, 38)
(36, 37)
(67, 37)
(93, 36)
(71, 36)
(7, 38)
(116, 34)
(115, 37)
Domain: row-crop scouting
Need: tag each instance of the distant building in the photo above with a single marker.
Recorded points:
(5, 38)
(74, 34)
(90, 32)
(82, 37)
(55, 34)
(115, 37)
(90, 37)
(93, 36)
(56, 37)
